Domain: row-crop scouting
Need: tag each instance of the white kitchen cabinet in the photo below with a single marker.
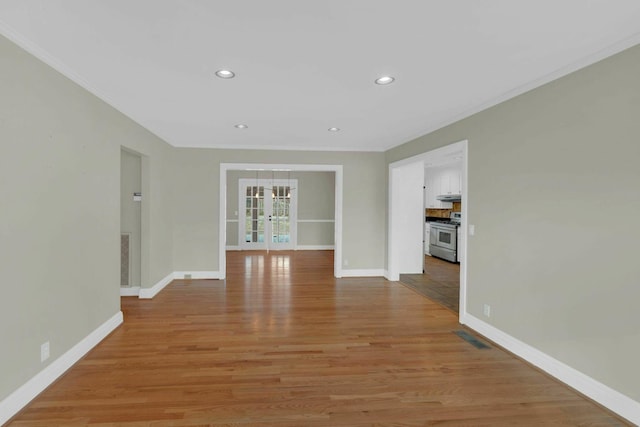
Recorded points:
(441, 180)
(444, 179)
(455, 180)
(450, 180)
(433, 188)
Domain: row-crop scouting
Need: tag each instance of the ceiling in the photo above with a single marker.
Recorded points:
(445, 156)
(303, 67)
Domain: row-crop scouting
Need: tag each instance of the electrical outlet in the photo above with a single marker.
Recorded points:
(472, 230)
(487, 310)
(346, 262)
(44, 351)
(187, 276)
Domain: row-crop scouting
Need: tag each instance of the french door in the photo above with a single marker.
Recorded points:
(267, 214)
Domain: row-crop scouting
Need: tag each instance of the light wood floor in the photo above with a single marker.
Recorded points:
(283, 343)
(440, 282)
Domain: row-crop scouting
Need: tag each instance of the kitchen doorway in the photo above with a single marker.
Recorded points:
(439, 280)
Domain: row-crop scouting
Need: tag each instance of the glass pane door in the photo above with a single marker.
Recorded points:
(254, 220)
(281, 215)
(267, 214)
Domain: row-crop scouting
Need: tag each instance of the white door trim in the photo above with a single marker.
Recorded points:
(393, 272)
(222, 229)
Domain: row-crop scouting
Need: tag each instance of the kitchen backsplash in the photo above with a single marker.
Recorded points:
(444, 213)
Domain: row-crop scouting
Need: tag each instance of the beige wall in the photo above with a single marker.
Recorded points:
(316, 195)
(60, 214)
(316, 234)
(554, 195)
(196, 186)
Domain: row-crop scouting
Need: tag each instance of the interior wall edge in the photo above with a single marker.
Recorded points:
(148, 293)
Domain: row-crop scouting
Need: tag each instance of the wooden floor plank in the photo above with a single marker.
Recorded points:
(283, 343)
(440, 282)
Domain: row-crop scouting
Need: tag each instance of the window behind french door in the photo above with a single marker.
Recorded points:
(267, 214)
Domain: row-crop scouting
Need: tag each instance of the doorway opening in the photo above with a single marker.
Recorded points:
(131, 275)
(440, 282)
(430, 177)
(276, 197)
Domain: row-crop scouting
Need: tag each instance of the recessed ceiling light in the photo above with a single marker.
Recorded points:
(225, 74)
(241, 126)
(334, 129)
(384, 80)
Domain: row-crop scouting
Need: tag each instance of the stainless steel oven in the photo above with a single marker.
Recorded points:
(443, 241)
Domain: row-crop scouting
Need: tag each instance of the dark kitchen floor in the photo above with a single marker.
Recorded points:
(440, 283)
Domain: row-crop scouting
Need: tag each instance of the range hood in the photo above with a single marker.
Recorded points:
(449, 197)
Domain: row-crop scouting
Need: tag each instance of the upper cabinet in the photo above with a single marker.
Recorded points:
(431, 190)
(442, 180)
(451, 181)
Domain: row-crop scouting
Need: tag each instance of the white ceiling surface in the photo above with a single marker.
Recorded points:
(444, 156)
(305, 66)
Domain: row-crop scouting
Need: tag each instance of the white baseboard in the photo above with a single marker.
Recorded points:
(363, 273)
(197, 274)
(232, 248)
(315, 247)
(606, 396)
(387, 275)
(146, 293)
(43, 379)
(132, 291)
